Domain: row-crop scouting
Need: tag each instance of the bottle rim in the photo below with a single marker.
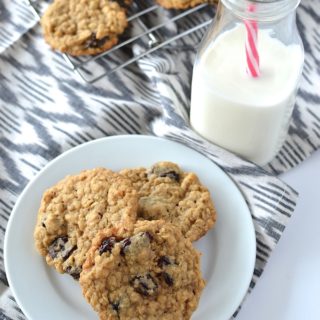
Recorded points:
(266, 10)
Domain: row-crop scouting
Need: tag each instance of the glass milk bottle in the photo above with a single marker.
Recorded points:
(246, 75)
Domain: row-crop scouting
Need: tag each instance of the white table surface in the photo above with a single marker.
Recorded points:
(289, 288)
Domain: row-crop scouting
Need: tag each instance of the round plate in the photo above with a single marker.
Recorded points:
(228, 249)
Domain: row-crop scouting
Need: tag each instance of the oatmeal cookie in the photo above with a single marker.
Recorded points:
(83, 27)
(75, 209)
(183, 4)
(168, 193)
(152, 275)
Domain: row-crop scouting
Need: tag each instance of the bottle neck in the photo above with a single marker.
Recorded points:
(264, 10)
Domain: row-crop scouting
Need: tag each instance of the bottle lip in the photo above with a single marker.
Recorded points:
(266, 10)
(267, 1)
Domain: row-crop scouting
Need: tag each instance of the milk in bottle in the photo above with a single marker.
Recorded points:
(246, 115)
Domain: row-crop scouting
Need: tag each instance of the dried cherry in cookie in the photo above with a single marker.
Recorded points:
(167, 278)
(164, 261)
(107, 245)
(166, 169)
(145, 285)
(124, 244)
(74, 272)
(60, 248)
(171, 174)
(93, 42)
(115, 305)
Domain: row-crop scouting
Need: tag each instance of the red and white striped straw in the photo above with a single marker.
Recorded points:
(252, 53)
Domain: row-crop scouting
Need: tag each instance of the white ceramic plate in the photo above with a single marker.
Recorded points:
(228, 250)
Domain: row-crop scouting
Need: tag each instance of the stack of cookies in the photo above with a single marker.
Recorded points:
(89, 27)
(126, 237)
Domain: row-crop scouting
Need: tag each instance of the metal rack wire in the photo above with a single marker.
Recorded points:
(148, 25)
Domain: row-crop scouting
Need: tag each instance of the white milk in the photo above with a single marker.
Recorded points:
(246, 115)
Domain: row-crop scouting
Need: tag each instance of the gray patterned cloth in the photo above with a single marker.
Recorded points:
(45, 110)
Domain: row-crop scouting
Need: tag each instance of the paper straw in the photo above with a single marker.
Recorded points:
(252, 54)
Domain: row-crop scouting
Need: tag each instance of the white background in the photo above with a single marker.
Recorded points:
(289, 288)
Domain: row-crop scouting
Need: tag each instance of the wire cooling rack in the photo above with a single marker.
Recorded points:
(150, 28)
